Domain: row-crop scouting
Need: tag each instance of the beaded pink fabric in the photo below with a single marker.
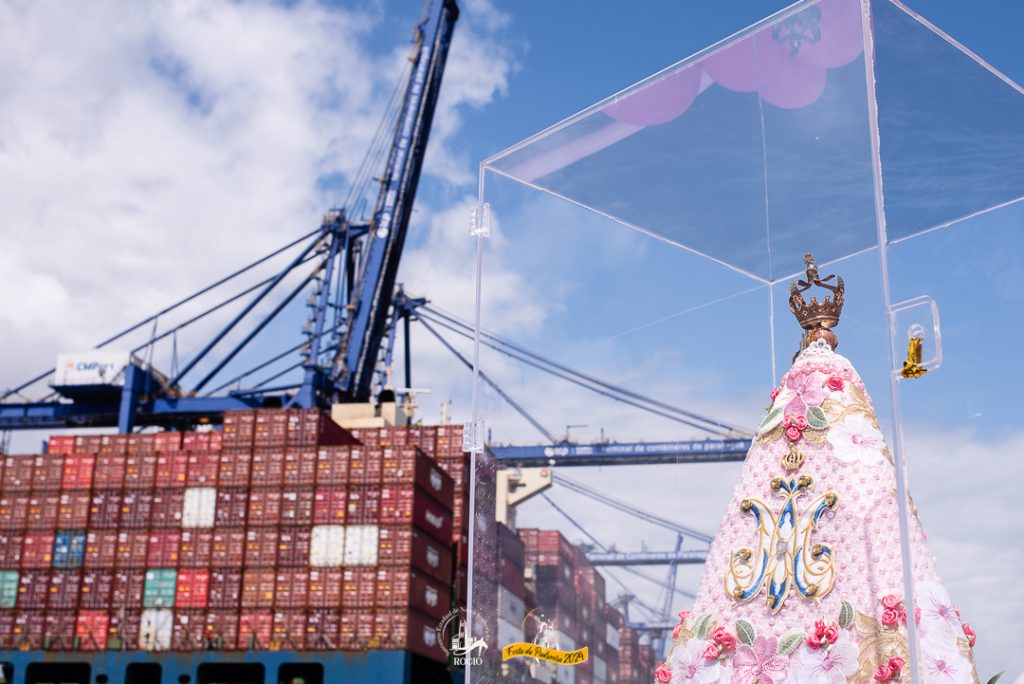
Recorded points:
(798, 590)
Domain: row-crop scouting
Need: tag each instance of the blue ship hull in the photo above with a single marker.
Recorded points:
(219, 667)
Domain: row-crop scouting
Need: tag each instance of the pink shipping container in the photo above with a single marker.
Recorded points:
(296, 506)
(293, 546)
(168, 505)
(322, 630)
(61, 444)
(59, 630)
(88, 444)
(164, 548)
(37, 551)
(291, 588)
(222, 629)
(64, 588)
(47, 473)
(411, 630)
(261, 547)
(258, 588)
(267, 467)
(14, 510)
(109, 472)
(188, 629)
(11, 544)
(105, 509)
(33, 589)
(365, 465)
(358, 587)
(136, 509)
(289, 631)
(113, 444)
(329, 505)
(18, 473)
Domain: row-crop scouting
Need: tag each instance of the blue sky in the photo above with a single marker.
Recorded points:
(138, 165)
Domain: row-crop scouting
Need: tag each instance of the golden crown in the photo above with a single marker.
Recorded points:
(817, 318)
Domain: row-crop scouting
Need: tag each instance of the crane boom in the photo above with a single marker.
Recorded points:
(356, 359)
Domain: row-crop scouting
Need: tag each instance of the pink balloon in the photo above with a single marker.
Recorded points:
(659, 102)
(786, 80)
(735, 67)
(842, 40)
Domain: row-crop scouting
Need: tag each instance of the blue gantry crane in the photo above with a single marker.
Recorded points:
(346, 266)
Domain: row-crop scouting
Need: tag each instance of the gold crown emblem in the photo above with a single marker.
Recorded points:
(817, 318)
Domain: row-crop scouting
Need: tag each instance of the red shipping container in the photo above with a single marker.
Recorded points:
(289, 630)
(232, 504)
(238, 430)
(293, 546)
(258, 588)
(235, 465)
(136, 509)
(296, 506)
(411, 630)
(399, 586)
(396, 503)
(264, 507)
(164, 547)
(188, 630)
(271, 427)
(113, 445)
(202, 469)
(430, 516)
(291, 588)
(358, 587)
(73, 512)
(325, 587)
(140, 469)
(42, 510)
(60, 630)
(511, 577)
(109, 471)
(123, 631)
(428, 439)
(225, 588)
(128, 587)
(329, 505)
(33, 589)
(254, 627)
(18, 473)
(261, 547)
(322, 630)
(11, 544)
(216, 441)
(47, 473)
(91, 629)
(167, 508)
(7, 618)
(88, 444)
(97, 587)
(332, 465)
(78, 472)
(356, 629)
(64, 586)
(267, 467)
(37, 551)
(300, 465)
(365, 465)
(398, 464)
(222, 629)
(14, 510)
(228, 547)
(363, 505)
(406, 545)
(132, 547)
(171, 469)
(100, 548)
(29, 628)
(167, 441)
(196, 441)
(197, 548)
(61, 444)
(312, 427)
(105, 509)
(193, 588)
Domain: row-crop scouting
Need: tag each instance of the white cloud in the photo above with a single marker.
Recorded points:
(146, 151)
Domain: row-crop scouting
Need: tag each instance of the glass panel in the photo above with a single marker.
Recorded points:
(952, 138)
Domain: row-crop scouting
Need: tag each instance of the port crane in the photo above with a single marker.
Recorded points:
(346, 267)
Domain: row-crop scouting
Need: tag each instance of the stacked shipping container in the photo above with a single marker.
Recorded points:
(282, 531)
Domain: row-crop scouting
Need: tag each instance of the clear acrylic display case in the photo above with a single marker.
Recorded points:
(648, 243)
